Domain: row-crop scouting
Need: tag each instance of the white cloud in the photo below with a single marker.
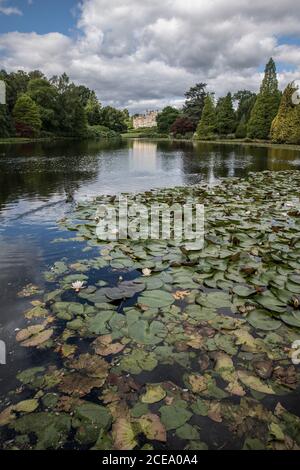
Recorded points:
(6, 10)
(146, 54)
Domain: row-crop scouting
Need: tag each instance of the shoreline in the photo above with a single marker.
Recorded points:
(223, 142)
(264, 144)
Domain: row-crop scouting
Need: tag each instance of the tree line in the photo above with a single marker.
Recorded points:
(38, 107)
(268, 115)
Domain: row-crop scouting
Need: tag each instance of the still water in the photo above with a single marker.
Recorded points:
(37, 180)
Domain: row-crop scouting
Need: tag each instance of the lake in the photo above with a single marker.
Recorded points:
(41, 182)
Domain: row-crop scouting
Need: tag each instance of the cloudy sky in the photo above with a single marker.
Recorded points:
(143, 54)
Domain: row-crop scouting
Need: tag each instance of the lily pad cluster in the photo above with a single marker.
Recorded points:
(165, 345)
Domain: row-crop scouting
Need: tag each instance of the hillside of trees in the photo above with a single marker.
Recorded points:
(269, 115)
(38, 107)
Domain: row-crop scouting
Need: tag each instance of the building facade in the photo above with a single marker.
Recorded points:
(145, 120)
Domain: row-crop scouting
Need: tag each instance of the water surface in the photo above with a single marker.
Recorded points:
(36, 179)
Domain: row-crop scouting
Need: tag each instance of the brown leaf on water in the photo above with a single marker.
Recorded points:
(104, 346)
(198, 383)
(119, 410)
(214, 412)
(263, 369)
(123, 435)
(286, 376)
(67, 403)
(152, 427)
(66, 350)
(7, 415)
(22, 335)
(92, 366)
(79, 385)
(39, 339)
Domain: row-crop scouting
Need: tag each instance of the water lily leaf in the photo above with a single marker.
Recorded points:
(214, 300)
(156, 299)
(99, 323)
(29, 376)
(226, 343)
(254, 382)
(261, 320)
(152, 427)
(291, 319)
(36, 312)
(79, 385)
(38, 339)
(198, 383)
(96, 415)
(138, 361)
(243, 291)
(50, 429)
(93, 366)
(124, 435)
(29, 290)
(104, 346)
(7, 415)
(154, 393)
(214, 412)
(22, 335)
(143, 332)
(200, 407)
(270, 302)
(187, 432)
(67, 350)
(253, 444)
(174, 416)
(27, 406)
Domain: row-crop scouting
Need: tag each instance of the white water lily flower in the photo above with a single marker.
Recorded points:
(78, 285)
(146, 272)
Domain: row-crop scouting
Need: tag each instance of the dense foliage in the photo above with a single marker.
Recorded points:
(38, 107)
(166, 118)
(208, 122)
(286, 125)
(266, 105)
(194, 104)
(183, 126)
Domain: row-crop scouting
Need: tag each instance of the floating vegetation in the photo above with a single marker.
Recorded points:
(167, 346)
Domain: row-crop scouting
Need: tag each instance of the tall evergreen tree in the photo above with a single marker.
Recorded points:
(208, 123)
(266, 105)
(226, 120)
(286, 125)
(194, 103)
(26, 116)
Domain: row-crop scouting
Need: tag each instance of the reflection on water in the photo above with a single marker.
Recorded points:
(32, 175)
(143, 157)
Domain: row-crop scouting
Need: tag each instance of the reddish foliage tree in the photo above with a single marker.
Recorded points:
(183, 125)
(23, 130)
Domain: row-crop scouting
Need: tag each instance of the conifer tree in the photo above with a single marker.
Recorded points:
(266, 105)
(286, 125)
(207, 124)
(226, 121)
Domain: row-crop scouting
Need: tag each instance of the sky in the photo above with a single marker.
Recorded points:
(144, 54)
